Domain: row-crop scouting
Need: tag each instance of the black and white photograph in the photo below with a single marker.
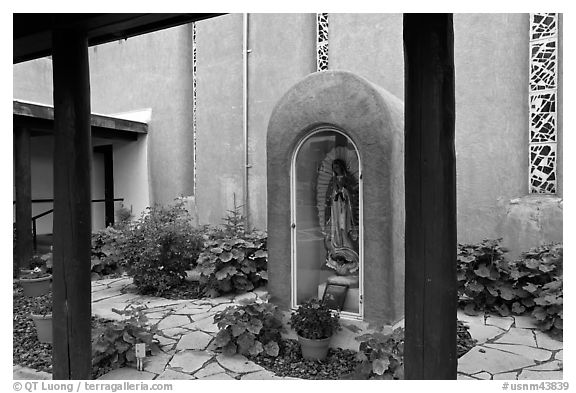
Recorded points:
(287, 196)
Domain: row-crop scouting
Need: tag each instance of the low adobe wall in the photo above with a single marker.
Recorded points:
(374, 120)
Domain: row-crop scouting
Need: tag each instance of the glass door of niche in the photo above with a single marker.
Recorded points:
(326, 196)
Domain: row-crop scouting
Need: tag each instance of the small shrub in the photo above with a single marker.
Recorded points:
(37, 262)
(484, 277)
(107, 253)
(251, 329)
(532, 284)
(160, 247)
(233, 263)
(315, 320)
(123, 217)
(381, 355)
(115, 346)
(549, 306)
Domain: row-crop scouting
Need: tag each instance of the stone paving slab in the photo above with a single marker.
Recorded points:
(156, 364)
(554, 365)
(174, 375)
(196, 340)
(543, 340)
(127, 373)
(502, 322)
(238, 364)
(505, 376)
(483, 333)
(518, 336)
(528, 352)
(492, 361)
(173, 321)
(209, 369)
(541, 375)
(189, 361)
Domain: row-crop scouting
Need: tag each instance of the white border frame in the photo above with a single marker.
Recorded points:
(294, 224)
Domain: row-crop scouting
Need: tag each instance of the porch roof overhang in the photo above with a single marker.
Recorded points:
(39, 119)
(33, 32)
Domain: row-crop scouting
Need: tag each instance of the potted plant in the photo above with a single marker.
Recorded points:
(36, 283)
(315, 323)
(42, 316)
(35, 262)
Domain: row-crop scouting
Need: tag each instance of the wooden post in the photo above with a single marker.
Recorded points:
(23, 184)
(72, 213)
(430, 171)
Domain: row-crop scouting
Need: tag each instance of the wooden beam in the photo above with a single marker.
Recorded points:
(430, 179)
(72, 211)
(23, 185)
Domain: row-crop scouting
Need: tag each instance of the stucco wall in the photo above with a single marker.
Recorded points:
(32, 81)
(219, 116)
(152, 71)
(278, 58)
(369, 45)
(491, 63)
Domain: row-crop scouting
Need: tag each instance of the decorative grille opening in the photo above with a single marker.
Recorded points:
(322, 42)
(542, 103)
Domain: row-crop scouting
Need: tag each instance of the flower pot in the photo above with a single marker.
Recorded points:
(43, 325)
(313, 349)
(24, 272)
(35, 286)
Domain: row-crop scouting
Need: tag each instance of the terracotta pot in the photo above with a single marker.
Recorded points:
(36, 286)
(314, 349)
(43, 325)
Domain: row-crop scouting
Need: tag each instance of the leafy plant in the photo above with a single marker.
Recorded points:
(235, 263)
(160, 247)
(533, 283)
(36, 262)
(315, 320)
(107, 252)
(549, 306)
(251, 329)
(381, 355)
(42, 305)
(536, 268)
(123, 216)
(484, 277)
(116, 344)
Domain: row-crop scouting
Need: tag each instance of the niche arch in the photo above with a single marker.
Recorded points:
(372, 119)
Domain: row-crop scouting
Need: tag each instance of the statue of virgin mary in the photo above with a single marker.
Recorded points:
(341, 228)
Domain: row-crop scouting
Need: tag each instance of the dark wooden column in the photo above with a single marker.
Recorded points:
(23, 185)
(430, 305)
(72, 213)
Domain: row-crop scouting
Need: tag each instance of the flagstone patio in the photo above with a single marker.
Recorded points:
(507, 348)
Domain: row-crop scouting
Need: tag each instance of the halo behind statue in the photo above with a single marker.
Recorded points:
(350, 158)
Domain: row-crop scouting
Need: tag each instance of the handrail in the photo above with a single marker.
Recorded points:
(47, 212)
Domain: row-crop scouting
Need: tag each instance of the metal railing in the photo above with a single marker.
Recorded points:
(50, 211)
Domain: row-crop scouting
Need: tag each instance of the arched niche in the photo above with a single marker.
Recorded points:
(372, 120)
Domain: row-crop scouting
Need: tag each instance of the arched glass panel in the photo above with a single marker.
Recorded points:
(326, 235)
